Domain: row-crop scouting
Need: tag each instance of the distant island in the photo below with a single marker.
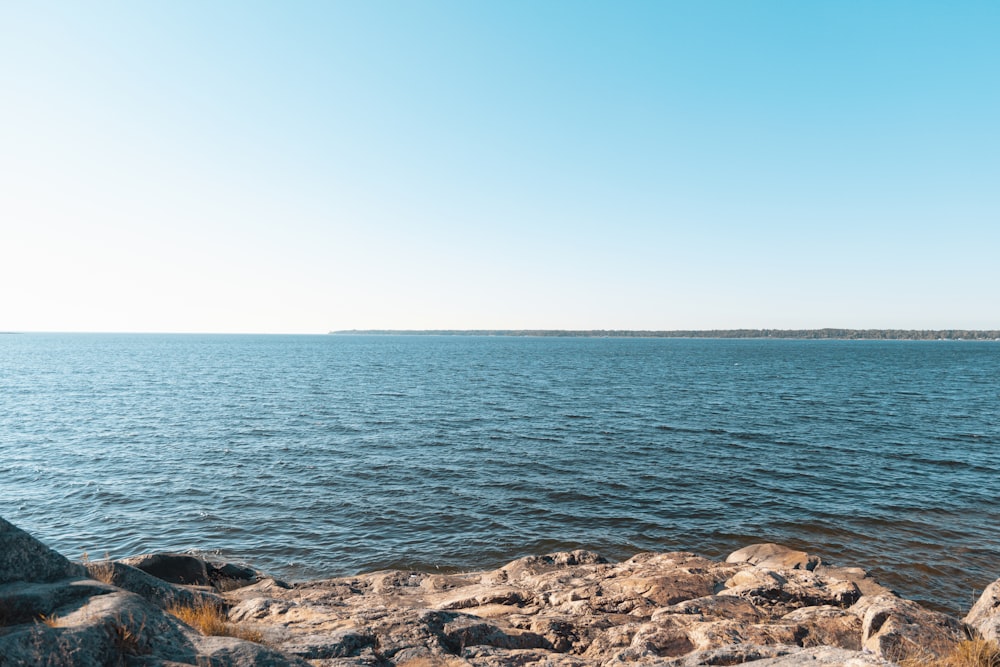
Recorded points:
(803, 334)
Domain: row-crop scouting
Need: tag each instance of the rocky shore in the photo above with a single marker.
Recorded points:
(765, 606)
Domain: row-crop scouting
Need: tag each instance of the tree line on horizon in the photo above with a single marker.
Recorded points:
(805, 334)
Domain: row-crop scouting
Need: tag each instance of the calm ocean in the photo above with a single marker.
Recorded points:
(312, 456)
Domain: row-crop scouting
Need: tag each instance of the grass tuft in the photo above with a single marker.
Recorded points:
(969, 653)
(50, 620)
(101, 570)
(210, 619)
(126, 637)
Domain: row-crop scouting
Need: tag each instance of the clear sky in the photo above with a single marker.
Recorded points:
(309, 166)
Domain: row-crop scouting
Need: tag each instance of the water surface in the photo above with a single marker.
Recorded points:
(313, 456)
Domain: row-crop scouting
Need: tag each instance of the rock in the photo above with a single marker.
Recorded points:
(533, 565)
(898, 629)
(649, 609)
(118, 627)
(157, 591)
(27, 559)
(767, 606)
(823, 656)
(789, 590)
(715, 607)
(230, 576)
(187, 570)
(28, 602)
(172, 568)
(826, 625)
(52, 615)
(731, 654)
(775, 557)
(865, 584)
(985, 614)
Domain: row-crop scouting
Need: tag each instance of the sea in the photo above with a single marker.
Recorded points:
(329, 455)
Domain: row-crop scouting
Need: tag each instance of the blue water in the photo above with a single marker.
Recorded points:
(313, 456)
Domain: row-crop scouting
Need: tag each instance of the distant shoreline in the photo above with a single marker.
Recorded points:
(793, 334)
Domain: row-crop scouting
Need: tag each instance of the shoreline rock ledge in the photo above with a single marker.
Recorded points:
(765, 606)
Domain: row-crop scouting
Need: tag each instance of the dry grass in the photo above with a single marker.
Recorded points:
(210, 619)
(50, 620)
(128, 638)
(102, 570)
(970, 653)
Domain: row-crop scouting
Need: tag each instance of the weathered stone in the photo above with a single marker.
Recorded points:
(825, 625)
(27, 602)
(172, 568)
(715, 607)
(258, 608)
(666, 589)
(480, 595)
(665, 638)
(54, 616)
(336, 644)
(27, 559)
(233, 652)
(774, 556)
(865, 584)
(898, 629)
(779, 656)
(533, 565)
(154, 589)
(791, 589)
(985, 614)
(823, 656)
(571, 609)
(731, 654)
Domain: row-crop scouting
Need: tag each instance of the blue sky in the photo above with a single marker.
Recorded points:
(308, 166)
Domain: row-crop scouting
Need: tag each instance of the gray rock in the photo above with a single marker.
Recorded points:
(172, 568)
(103, 630)
(27, 559)
(51, 615)
(157, 591)
(29, 602)
(233, 652)
(230, 576)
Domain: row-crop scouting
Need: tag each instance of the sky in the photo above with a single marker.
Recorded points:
(301, 167)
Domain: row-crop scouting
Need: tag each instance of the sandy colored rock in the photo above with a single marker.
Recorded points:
(774, 556)
(985, 614)
(771, 606)
(787, 590)
(898, 629)
(565, 608)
